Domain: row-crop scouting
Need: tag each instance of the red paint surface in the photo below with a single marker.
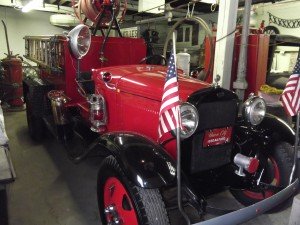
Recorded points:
(134, 95)
(253, 166)
(118, 51)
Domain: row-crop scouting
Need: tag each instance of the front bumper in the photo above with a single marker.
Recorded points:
(247, 213)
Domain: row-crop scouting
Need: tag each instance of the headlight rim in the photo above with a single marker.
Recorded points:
(183, 136)
(248, 105)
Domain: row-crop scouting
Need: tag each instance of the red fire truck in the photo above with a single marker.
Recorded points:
(94, 88)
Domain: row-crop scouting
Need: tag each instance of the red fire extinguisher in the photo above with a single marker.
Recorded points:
(11, 90)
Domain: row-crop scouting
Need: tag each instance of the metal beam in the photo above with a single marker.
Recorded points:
(225, 41)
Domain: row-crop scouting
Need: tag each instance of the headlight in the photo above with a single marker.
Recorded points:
(189, 120)
(254, 110)
(80, 40)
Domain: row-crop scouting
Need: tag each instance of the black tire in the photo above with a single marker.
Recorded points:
(35, 124)
(281, 157)
(3, 206)
(145, 204)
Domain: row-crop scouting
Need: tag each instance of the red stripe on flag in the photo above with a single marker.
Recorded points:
(170, 100)
(291, 93)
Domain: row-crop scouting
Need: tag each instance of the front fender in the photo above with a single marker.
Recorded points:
(280, 129)
(144, 162)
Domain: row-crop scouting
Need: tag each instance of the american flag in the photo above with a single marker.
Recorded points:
(291, 94)
(168, 114)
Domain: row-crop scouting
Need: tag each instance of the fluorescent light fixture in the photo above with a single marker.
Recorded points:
(151, 6)
(32, 5)
(209, 1)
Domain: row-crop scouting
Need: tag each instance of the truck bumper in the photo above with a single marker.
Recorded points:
(247, 213)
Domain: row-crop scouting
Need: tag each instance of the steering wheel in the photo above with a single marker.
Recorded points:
(154, 60)
(198, 73)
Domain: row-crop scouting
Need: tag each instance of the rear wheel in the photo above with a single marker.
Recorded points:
(35, 123)
(121, 202)
(274, 175)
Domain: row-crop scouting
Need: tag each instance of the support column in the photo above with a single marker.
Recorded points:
(240, 84)
(224, 45)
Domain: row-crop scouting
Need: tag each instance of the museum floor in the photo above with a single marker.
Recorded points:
(51, 190)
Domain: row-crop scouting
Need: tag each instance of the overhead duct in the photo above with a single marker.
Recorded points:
(63, 20)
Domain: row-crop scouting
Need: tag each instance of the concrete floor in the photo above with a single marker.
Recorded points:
(51, 190)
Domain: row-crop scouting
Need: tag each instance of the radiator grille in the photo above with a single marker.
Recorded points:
(212, 115)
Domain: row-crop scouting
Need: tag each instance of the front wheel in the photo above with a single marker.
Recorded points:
(121, 202)
(272, 177)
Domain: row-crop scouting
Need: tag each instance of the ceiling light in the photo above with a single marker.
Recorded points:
(32, 5)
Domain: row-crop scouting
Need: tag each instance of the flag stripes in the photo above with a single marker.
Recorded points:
(168, 114)
(290, 97)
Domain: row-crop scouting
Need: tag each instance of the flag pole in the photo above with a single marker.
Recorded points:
(296, 147)
(179, 197)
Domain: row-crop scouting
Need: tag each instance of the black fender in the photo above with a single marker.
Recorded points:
(280, 129)
(143, 161)
(35, 90)
(270, 131)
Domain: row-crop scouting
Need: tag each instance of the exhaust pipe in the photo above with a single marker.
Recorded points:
(58, 101)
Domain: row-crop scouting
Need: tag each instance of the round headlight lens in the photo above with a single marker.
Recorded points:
(254, 110)
(80, 40)
(189, 120)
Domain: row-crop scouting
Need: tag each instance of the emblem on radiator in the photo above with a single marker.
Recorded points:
(217, 136)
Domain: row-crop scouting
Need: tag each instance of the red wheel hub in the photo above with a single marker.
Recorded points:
(275, 181)
(117, 203)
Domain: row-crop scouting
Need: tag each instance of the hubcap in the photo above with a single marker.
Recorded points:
(118, 207)
(111, 213)
(271, 176)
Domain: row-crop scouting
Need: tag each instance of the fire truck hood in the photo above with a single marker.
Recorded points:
(149, 80)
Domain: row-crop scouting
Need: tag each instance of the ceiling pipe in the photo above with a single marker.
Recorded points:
(151, 20)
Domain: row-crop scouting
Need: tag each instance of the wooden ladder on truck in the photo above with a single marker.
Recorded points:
(46, 51)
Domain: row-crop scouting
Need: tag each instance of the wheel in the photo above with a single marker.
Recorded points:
(120, 200)
(35, 123)
(3, 206)
(271, 30)
(275, 174)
